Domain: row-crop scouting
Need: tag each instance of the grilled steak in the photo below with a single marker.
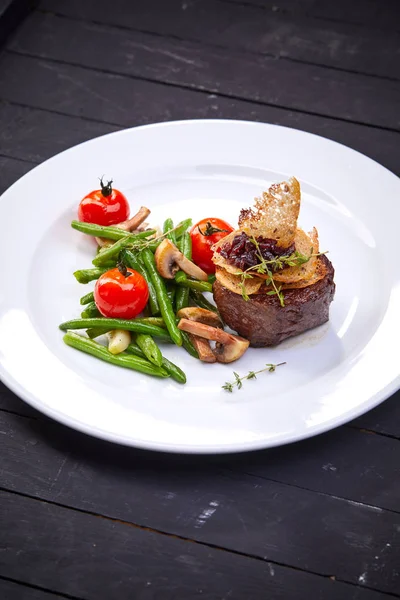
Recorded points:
(264, 322)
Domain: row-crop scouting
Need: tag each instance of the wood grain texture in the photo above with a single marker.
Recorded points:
(97, 559)
(287, 84)
(203, 499)
(126, 102)
(10, 590)
(371, 13)
(368, 13)
(320, 464)
(35, 135)
(252, 28)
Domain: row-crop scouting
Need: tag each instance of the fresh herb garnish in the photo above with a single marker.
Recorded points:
(269, 267)
(229, 386)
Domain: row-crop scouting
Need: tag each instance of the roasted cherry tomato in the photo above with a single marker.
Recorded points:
(204, 234)
(105, 206)
(121, 293)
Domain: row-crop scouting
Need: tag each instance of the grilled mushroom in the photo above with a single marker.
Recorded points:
(169, 260)
(207, 317)
(129, 225)
(228, 347)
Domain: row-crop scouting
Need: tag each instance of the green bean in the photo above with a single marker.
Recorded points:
(90, 311)
(182, 293)
(187, 344)
(171, 292)
(110, 233)
(182, 227)
(200, 286)
(199, 300)
(129, 325)
(134, 261)
(122, 360)
(95, 332)
(174, 371)
(149, 348)
(115, 249)
(87, 298)
(162, 297)
(86, 275)
(168, 229)
(153, 244)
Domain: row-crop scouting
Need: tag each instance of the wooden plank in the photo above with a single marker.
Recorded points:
(383, 419)
(322, 464)
(35, 135)
(12, 169)
(128, 102)
(97, 559)
(252, 28)
(370, 13)
(11, 14)
(287, 84)
(197, 498)
(10, 590)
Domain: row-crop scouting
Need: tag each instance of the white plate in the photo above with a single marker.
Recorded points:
(199, 169)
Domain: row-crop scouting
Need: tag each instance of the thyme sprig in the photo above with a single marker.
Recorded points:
(142, 244)
(229, 385)
(269, 267)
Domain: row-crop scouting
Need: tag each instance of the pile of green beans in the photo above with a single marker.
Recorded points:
(121, 360)
(166, 298)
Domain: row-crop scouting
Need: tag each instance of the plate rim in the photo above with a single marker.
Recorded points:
(23, 392)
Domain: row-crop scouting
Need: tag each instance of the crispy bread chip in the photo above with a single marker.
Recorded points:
(319, 272)
(275, 215)
(255, 285)
(234, 282)
(218, 260)
(305, 244)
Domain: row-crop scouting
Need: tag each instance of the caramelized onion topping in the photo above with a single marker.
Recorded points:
(242, 252)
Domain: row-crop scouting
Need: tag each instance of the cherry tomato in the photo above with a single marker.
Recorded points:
(121, 293)
(204, 234)
(105, 206)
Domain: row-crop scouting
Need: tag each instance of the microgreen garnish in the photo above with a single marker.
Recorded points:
(229, 386)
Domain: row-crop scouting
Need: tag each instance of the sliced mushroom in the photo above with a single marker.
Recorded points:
(228, 347)
(207, 317)
(129, 225)
(169, 260)
(203, 348)
(200, 315)
(136, 220)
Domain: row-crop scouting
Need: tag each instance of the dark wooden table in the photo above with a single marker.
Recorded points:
(83, 519)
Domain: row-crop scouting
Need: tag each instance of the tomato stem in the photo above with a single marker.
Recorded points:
(106, 188)
(122, 268)
(210, 229)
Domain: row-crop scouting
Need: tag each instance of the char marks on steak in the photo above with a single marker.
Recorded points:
(264, 322)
